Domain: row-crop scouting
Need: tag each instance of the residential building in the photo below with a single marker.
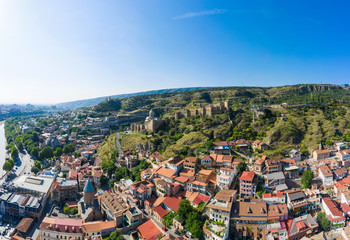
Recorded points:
(274, 198)
(297, 202)
(343, 154)
(61, 228)
(98, 228)
(207, 161)
(273, 165)
(219, 208)
(247, 184)
(191, 164)
(275, 179)
(141, 191)
(340, 173)
(321, 154)
(326, 175)
(175, 164)
(260, 145)
(20, 205)
(299, 227)
(295, 154)
(333, 213)
(149, 231)
(166, 174)
(225, 178)
(249, 218)
(64, 190)
(277, 213)
(259, 165)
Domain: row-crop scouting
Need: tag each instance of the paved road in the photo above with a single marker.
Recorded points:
(27, 163)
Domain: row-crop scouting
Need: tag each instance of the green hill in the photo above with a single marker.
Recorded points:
(313, 114)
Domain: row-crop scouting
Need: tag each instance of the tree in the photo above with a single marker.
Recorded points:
(184, 209)
(7, 166)
(241, 167)
(35, 152)
(168, 219)
(74, 211)
(194, 224)
(66, 209)
(58, 152)
(69, 148)
(14, 153)
(323, 221)
(306, 179)
(46, 153)
(35, 169)
(116, 235)
(103, 180)
(37, 164)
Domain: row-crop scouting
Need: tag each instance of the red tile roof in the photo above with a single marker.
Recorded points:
(172, 203)
(149, 230)
(161, 211)
(247, 176)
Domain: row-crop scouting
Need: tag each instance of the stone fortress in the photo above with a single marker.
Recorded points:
(151, 123)
(209, 110)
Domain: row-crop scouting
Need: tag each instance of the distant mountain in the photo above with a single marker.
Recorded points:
(94, 101)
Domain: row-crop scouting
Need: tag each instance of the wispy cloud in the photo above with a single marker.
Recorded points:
(314, 21)
(201, 13)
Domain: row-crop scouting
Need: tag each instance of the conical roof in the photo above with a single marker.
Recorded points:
(88, 186)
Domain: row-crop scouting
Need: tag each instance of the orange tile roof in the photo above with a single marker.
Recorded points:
(247, 176)
(172, 203)
(161, 211)
(149, 230)
(98, 226)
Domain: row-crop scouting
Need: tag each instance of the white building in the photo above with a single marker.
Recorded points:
(225, 178)
(326, 175)
(295, 154)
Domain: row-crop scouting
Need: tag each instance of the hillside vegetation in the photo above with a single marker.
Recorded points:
(108, 149)
(314, 114)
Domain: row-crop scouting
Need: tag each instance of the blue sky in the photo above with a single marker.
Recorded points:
(60, 50)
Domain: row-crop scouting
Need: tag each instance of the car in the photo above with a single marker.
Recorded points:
(54, 214)
(57, 208)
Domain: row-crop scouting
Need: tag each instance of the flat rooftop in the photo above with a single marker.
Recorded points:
(34, 184)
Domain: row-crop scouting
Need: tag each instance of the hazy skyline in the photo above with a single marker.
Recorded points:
(57, 51)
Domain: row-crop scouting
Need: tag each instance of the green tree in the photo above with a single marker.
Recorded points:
(14, 153)
(241, 167)
(116, 235)
(74, 211)
(194, 224)
(58, 152)
(103, 180)
(7, 166)
(37, 164)
(168, 219)
(306, 179)
(69, 148)
(67, 209)
(184, 209)
(35, 169)
(35, 152)
(323, 221)
(46, 153)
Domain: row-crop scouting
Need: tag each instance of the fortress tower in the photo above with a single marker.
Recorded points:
(89, 193)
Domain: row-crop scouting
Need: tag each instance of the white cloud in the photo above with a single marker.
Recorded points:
(201, 13)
